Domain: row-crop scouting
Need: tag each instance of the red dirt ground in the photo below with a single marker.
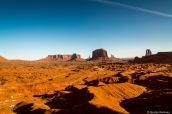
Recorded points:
(84, 88)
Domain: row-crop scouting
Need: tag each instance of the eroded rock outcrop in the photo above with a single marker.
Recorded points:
(63, 57)
(76, 57)
(148, 52)
(100, 54)
(112, 57)
(89, 57)
(160, 57)
(59, 56)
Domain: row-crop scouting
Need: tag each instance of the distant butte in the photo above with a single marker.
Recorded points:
(100, 55)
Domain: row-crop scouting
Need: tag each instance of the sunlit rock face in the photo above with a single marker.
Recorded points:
(65, 56)
(62, 57)
(100, 54)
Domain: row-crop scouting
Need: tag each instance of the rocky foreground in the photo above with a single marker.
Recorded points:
(84, 88)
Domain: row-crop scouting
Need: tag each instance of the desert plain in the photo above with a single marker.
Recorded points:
(88, 87)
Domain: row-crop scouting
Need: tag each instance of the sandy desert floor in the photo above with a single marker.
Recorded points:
(84, 88)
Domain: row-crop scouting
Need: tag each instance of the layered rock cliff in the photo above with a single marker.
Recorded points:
(100, 54)
(63, 57)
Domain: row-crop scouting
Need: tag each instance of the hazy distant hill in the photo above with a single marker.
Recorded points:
(3, 59)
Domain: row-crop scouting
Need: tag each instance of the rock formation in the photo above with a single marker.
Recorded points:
(148, 52)
(66, 56)
(112, 56)
(76, 57)
(100, 54)
(59, 56)
(89, 57)
(63, 57)
(160, 57)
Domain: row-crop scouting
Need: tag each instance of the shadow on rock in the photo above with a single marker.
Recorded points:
(69, 98)
(47, 96)
(157, 98)
(69, 101)
(75, 101)
(92, 83)
(85, 108)
(23, 108)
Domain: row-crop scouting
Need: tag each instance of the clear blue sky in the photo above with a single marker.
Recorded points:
(32, 29)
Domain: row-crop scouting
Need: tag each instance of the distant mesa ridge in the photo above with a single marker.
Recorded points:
(102, 55)
(164, 53)
(160, 57)
(63, 57)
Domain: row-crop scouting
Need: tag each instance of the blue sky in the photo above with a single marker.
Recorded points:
(33, 29)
